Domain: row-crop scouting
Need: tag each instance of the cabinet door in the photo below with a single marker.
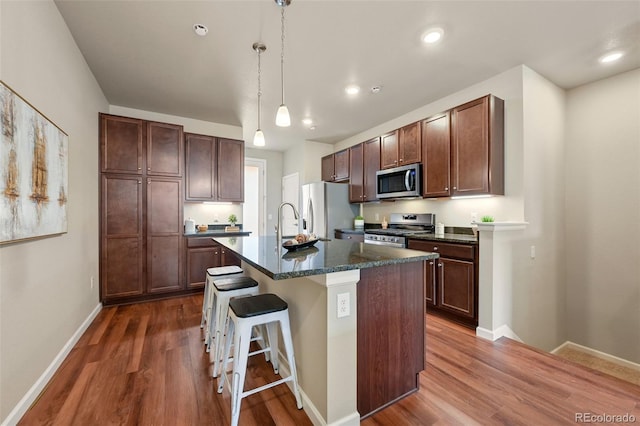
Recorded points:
(430, 283)
(477, 147)
(341, 165)
(328, 171)
(165, 149)
(164, 235)
(371, 161)
(230, 170)
(121, 249)
(198, 261)
(410, 144)
(389, 150)
(436, 141)
(120, 144)
(356, 176)
(228, 258)
(201, 167)
(456, 291)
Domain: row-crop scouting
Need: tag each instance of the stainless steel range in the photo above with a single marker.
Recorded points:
(401, 225)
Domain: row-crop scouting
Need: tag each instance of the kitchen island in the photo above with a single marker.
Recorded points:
(363, 355)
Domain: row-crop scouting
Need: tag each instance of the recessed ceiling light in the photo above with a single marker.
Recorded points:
(200, 29)
(307, 121)
(352, 89)
(610, 57)
(432, 35)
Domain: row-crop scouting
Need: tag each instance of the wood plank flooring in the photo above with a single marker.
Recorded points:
(145, 364)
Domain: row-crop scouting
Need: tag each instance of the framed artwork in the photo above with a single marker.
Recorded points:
(33, 171)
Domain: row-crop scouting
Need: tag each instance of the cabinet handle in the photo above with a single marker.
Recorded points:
(431, 263)
(349, 237)
(139, 182)
(435, 248)
(148, 181)
(455, 187)
(149, 169)
(139, 168)
(446, 188)
(439, 265)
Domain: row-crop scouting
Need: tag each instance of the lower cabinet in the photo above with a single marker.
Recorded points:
(451, 281)
(204, 253)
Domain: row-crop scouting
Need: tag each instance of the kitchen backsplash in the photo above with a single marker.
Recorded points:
(211, 214)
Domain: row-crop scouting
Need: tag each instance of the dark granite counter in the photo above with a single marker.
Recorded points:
(359, 231)
(445, 238)
(216, 233)
(323, 258)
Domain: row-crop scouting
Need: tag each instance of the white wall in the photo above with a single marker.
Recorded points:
(45, 292)
(603, 215)
(304, 159)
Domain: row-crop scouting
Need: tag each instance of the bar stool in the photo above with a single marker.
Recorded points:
(225, 289)
(244, 314)
(207, 300)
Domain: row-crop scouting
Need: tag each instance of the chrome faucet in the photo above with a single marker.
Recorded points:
(279, 228)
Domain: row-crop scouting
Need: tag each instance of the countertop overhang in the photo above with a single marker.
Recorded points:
(324, 257)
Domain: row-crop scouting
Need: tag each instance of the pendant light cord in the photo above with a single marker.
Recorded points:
(282, 53)
(259, 86)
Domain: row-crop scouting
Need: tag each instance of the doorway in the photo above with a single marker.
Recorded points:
(290, 194)
(255, 190)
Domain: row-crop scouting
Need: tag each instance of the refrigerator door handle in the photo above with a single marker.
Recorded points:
(310, 210)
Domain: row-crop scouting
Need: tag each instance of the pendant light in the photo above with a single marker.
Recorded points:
(282, 116)
(258, 138)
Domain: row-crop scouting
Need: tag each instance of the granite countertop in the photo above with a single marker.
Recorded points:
(217, 233)
(445, 238)
(351, 231)
(323, 258)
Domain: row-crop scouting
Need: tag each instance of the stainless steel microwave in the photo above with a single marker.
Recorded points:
(399, 182)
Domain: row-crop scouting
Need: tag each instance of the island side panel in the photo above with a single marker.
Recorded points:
(391, 333)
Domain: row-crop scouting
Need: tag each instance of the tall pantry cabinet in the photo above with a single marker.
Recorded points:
(141, 200)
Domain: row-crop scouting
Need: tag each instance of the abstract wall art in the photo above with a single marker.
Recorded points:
(33, 171)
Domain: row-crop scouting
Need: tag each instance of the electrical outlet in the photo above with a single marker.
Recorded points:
(92, 282)
(343, 305)
(474, 216)
(533, 252)
(377, 217)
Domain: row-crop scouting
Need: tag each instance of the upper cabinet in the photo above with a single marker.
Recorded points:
(401, 147)
(165, 148)
(409, 144)
(356, 178)
(122, 147)
(335, 167)
(389, 150)
(121, 144)
(477, 147)
(436, 142)
(364, 163)
(215, 169)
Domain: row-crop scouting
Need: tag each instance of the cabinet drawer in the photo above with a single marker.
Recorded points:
(359, 238)
(460, 251)
(201, 242)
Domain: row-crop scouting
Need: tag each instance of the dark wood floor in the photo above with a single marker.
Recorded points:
(145, 365)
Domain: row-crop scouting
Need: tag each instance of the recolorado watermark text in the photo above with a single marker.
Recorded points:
(604, 418)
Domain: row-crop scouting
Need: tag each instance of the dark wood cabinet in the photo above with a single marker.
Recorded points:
(121, 237)
(358, 238)
(215, 169)
(165, 149)
(335, 167)
(121, 144)
(410, 144)
(230, 170)
(203, 253)
(451, 283)
(356, 173)
(390, 337)
(389, 150)
(141, 226)
(164, 235)
(201, 167)
(436, 140)
(477, 147)
(364, 163)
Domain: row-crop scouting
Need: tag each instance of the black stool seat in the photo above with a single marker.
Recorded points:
(234, 283)
(251, 306)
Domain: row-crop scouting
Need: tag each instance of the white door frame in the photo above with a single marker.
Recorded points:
(261, 164)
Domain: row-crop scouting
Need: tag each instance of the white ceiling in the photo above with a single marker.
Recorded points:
(145, 55)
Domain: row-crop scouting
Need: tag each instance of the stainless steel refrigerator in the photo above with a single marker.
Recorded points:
(325, 207)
